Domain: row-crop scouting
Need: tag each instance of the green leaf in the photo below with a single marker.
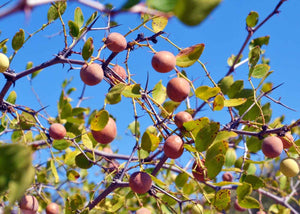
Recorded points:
(86, 140)
(3, 43)
(254, 56)
(114, 95)
(214, 165)
(61, 144)
(100, 120)
(88, 49)
(91, 19)
(170, 106)
(206, 136)
(193, 12)
(66, 111)
(159, 24)
(222, 200)
(134, 128)
(132, 91)
(249, 203)
(225, 135)
(216, 149)
(159, 92)
(72, 175)
(243, 190)
(253, 144)
(255, 181)
(230, 157)
(188, 56)
(78, 17)
(206, 92)
(26, 121)
(252, 19)
(55, 10)
(267, 86)
(130, 3)
(225, 83)
(73, 29)
(181, 179)
(150, 141)
(218, 103)
(54, 171)
(12, 97)
(235, 88)
(259, 41)
(234, 102)
(18, 40)
(232, 58)
(260, 70)
(195, 125)
(162, 5)
(82, 162)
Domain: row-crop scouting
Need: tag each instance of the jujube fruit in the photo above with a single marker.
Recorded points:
(238, 207)
(163, 61)
(289, 167)
(227, 176)
(199, 171)
(57, 131)
(29, 204)
(4, 63)
(91, 74)
(261, 212)
(52, 208)
(182, 117)
(178, 89)
(120, 71)
(143, 210)
(107, 134)
(173, 147)
(116, 42)
(272, 146)
(287, 140)
(140, 182)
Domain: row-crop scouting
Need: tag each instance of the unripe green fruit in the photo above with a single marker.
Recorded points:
(227, 176)
(182, 117)
(107, 134)
(120, 71)
(91, 74)
(289, 167)
(178, 89)
(173, 147)
(116, 42)
(140, 182)
(287, 140)
(143, 210)
(29, 204)
(57, 131)
(272, 146)
(199, 172)
(52, 208)
(163, 61)
(4, 63)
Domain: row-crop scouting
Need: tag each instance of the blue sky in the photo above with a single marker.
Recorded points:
(223, 33)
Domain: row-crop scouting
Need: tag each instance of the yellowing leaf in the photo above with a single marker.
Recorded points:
(54, 171)
(206, 92)
(159, 24)
(100, 120)
(234, 102)
(218, 103)
(189, 56)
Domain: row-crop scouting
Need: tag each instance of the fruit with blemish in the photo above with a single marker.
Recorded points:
(178, 89)
(199, 171)
(227, 176)
(91, 74)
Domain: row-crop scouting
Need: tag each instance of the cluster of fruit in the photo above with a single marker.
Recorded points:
(29, 205)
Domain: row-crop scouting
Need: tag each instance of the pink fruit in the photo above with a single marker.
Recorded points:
(163, 61)
(116, 42)
(140, 182)
(107, 134)
(91, 74)
(182, 117)
(57, 131)
(272, 146)
(173, 147)
(178, 89)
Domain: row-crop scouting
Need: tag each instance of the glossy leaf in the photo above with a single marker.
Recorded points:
(18, 40)
(181, 179)
(230, 157)
(61, 144)
(114, 95)
(73, 29)
(206, 92)
(150, 141)
(234, 102)
(193, 12)
(159, 23)
(206, 136)
(252, 19)
(162, 5)
(12, 97)
(188, 56)
(159, 92)
(260, 41)
(132, 91)
(100, 120)
(78, 17)
(260, 71)
(55, 10)
(218, 103)
(222, 200)
(88, 49)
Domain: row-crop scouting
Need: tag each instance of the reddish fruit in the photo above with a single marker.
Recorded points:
(107, 150)
(140, 182)
(107, 134)
(91, 74)
(143, 210)
(227, 176)
(52, 208)
(182, 117)
(178, 89)
(260, 212)
(116, 42)
(163, 61)
(120, 71)
(29, 204)
(238, 207)
(199, 172)
(57, 131)
(272, 146)
(287, 140)
(173, 147)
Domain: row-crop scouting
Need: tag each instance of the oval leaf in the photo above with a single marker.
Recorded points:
(78, 17)
(189, 56)
(234, 102)
(149, 141)
(73, 175)
(181, 179)
(159, 92)
(18, 40)
(159, 24)
(218, 103)
(73, 29)
(100, 120)
(12, 97)
(61, 144)
(206, 136)
(114, 95)
(82, 162)
(88, 49)
(252, 19)
(55, 10)
(206, 92)
(214, 165)
(222, 200)
(132, 91)
(260, 71)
